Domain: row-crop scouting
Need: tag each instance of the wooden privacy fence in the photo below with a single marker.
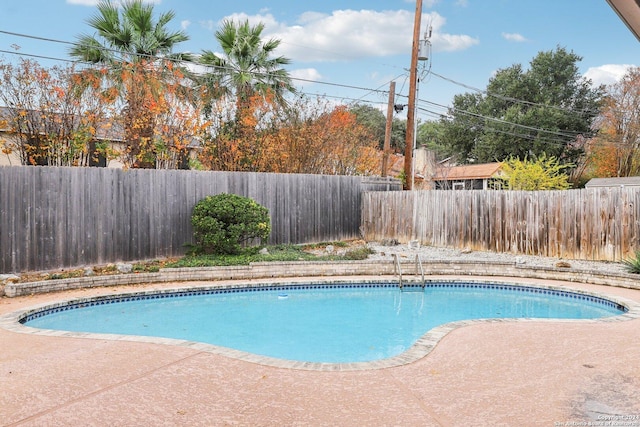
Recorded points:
(593, 224)
(61, 217)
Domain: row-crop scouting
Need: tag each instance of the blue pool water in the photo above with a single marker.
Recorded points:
(338, 324)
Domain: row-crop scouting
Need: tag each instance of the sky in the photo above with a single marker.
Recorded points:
(350, 50)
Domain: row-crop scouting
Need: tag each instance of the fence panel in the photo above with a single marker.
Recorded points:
(598, 224)
(56, 217)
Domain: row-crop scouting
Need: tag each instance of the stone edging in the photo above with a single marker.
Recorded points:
(327, 269)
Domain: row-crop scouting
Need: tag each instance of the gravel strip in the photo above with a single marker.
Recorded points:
(427, 253)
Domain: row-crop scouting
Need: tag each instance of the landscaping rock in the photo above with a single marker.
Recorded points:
(88, 271)
(562, 264)
(124, 268)
(414, 244)
(8, 278)
(389, 242)
(263, 251)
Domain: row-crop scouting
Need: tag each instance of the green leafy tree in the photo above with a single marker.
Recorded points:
(138, 53)
(543, 173)
(376, 121)
(430, 136)
(224, 222)
(547, 109)
(373, 119)
(462, 130)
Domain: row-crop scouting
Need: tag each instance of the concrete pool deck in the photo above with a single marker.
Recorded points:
(503, 373)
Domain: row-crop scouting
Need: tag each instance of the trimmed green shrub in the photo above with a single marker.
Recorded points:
(225, 222)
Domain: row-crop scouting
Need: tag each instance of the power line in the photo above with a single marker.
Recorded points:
(510, 99)
(331, 84)
(352, 100)
(497, 120)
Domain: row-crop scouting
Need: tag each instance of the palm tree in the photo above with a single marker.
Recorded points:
(246, 68)
(129, 36)
(136, 50)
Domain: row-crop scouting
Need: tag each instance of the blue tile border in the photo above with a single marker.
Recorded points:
(111, 299)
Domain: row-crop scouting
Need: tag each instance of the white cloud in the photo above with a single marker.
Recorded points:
(346, 35)
(426, 3)
(306, 74)
(607, 74)
(185, 24)
(83, 2)
(95, 2)
(514, 37)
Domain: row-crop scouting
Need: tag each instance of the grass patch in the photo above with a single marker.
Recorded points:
(276, 253)
(358, 253)
(322, 245)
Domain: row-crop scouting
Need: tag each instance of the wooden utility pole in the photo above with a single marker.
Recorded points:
(387, 130)
(413, 86)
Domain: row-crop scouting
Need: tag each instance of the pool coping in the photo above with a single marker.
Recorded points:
(292, 269)
(423, 346)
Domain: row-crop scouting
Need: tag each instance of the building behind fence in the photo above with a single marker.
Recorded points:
(62, 217)
(592, 224)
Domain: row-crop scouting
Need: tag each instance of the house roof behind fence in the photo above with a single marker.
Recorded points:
(630, 181)
(481, 171)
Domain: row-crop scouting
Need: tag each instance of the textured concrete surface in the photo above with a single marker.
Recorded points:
(503, 373)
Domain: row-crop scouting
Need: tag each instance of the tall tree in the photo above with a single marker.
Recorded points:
(548, 109)
(247, 67)
(375, 120)
(616, 149)
(430, 136)
(138, 53)
(248, 75)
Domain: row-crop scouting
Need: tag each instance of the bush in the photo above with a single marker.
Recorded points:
(633, 264)
(225, 222)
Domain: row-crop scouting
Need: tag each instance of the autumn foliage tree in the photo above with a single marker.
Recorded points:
(314, 137)
(244, 84)
(137, 50)
(159, 114)
(615, 151)
(53, 115)
(308, 136)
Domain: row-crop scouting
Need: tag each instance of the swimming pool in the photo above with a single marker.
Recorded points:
(323, 323)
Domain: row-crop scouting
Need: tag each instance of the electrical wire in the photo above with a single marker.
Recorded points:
(368, 91)
(510, 99)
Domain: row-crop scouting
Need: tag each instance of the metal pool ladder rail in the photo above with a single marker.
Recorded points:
(418, 266)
